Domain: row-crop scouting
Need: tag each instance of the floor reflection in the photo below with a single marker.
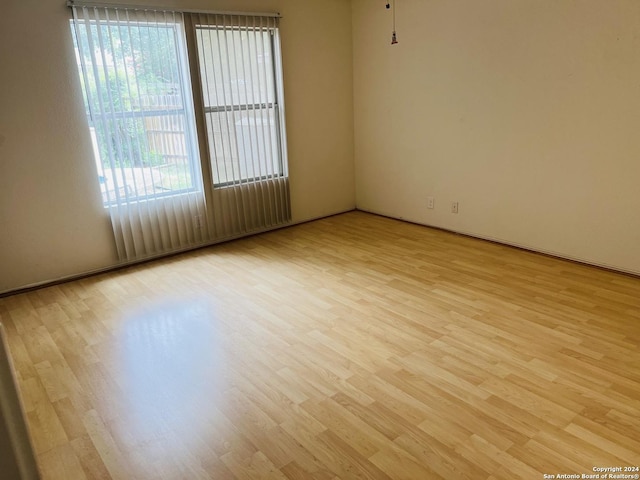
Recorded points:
(172, 364)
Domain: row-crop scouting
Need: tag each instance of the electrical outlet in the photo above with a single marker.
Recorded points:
(454, 207)
(430, 202)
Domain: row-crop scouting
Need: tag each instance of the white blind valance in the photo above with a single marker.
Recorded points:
(131, 7)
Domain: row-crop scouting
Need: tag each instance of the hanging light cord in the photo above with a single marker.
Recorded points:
(394, 37)
(393, 14)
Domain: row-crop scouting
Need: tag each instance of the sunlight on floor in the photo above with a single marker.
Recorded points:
(171, 363)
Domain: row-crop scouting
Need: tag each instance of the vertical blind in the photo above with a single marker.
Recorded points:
(241, 87)
(186, 119)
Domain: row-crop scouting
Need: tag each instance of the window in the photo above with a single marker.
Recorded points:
(139, 107)
(238, 74)
(186, 118)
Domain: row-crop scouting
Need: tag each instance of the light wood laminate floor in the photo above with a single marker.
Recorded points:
(351, 347)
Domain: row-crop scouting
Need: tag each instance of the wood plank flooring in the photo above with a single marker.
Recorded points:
(352, 347)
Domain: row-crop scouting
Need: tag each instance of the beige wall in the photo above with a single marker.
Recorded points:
(52, 223)
(526, 112)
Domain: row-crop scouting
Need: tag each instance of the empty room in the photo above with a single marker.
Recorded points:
(319, 239)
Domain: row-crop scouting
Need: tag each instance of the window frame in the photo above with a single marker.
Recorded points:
(187, 111)
(194, 111)
(275, 105)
